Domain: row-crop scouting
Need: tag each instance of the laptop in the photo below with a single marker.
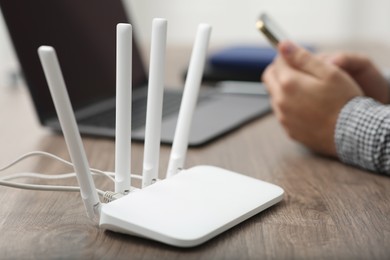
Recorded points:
(84, 36)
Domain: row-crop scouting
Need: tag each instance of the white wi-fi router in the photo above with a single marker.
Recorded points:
(190, 206)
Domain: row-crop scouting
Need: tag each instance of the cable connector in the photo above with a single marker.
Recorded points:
(109, 196)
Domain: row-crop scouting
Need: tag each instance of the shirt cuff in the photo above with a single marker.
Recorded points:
(362, 134)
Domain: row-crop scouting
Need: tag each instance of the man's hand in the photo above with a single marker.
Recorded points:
(364, 72)
(307, 95)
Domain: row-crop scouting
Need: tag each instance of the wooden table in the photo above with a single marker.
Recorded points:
(330, 210)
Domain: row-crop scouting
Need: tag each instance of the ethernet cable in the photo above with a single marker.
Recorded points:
(7, 180)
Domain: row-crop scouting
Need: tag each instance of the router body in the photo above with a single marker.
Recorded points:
(190, 207)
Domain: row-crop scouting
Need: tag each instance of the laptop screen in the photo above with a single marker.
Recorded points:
(83, 32)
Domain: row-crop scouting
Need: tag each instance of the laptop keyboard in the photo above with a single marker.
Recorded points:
(106, 119)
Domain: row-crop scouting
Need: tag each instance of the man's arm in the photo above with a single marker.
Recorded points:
(329, 105)
(362, 134)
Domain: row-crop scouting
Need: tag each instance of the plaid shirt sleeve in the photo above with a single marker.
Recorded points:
(362, 135)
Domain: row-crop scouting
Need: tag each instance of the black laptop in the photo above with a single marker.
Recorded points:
(83, 32)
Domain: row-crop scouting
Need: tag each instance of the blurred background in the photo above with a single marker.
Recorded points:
(320, 22)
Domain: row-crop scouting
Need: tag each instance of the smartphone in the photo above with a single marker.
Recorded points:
(270, 29)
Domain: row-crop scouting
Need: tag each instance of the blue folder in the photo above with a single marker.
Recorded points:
(240, 63)
(242, 58)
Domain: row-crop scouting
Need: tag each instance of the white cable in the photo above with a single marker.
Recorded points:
(51, 156)
(44, 187)
(38, 176)
(109, 175)
(5, 180)
(53, 176)
(108, 196)
(35, 153)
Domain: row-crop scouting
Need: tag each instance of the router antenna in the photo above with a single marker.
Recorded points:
(155, 101)
(70, 130)
(190, 95)
(123, 108)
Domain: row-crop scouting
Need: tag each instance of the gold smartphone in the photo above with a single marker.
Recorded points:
(270, 29)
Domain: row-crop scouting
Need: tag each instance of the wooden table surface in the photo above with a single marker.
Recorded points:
(330, 210)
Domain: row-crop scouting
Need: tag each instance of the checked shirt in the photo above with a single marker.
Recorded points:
(362, 135)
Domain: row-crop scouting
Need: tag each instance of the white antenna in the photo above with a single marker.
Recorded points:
(123, 108)
(70, 130)
(155, 101)
(188, 103)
